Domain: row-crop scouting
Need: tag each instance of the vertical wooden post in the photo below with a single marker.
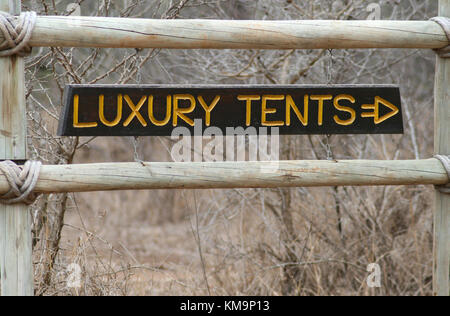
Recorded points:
(442, 146)
(15, 222)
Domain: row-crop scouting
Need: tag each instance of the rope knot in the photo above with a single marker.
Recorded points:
(17, 32)
(445, 24)
(445, 160)
(21, 180)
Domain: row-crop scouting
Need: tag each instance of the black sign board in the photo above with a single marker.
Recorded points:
(155, 110)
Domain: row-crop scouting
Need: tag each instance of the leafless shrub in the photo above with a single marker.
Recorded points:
(233, 242)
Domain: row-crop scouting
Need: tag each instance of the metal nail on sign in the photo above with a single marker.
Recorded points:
(155, 110)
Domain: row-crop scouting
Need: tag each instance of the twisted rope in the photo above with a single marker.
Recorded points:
(22, 181)
(17, 32)
(445, 24)
(446, 163)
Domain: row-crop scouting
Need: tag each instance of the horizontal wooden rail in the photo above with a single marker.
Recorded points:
(165, 175)
(186, 34)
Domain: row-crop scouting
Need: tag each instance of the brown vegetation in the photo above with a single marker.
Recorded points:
(233, 242)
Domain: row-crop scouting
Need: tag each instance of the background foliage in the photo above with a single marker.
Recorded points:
(233, 242)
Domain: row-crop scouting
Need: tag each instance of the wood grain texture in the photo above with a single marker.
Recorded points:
(179, 175)
(16, 269)
(441, 280)
(185, 34)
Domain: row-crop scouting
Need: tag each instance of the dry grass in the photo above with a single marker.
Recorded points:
(145, 242)
(234, 242)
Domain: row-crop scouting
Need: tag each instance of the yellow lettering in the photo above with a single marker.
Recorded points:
(177, 112)
(249, 99)
(321, 99)
(135, 111)
(208, 109)
(352, 112)
(291, 104)
(266, 110)
(151, 115)
(76, 123)
(101, 110)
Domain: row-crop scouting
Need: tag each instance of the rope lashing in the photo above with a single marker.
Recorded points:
(22, 181)
(445, 160)
(16, 32)
(445, 24)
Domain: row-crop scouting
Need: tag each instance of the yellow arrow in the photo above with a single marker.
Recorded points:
(376, 107)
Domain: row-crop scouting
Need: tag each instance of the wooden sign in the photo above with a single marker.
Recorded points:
(150, 110)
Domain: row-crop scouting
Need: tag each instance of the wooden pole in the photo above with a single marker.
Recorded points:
(74, 31)
(15, 222)
(441, 281)
(214, 175)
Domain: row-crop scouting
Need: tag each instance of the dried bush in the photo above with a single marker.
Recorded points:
(233, 242)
